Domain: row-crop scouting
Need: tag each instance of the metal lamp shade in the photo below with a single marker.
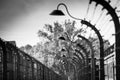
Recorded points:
(57, 13)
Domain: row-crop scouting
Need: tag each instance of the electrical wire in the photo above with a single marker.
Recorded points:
(106, 23)
(104, 20)
(100, 16)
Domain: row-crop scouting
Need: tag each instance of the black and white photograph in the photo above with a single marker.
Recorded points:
(59, 39)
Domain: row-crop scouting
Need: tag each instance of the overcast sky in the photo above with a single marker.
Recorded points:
(21, 19)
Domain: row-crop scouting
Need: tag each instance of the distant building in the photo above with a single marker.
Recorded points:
(109, 61)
